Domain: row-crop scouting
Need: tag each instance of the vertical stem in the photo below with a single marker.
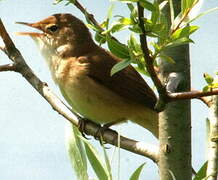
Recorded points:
(175, 120)
(212, 166)
(175, 123)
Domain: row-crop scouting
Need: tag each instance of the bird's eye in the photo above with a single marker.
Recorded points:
(53, 28)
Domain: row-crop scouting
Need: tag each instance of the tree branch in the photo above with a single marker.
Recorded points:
(87, 14)
(148, 59)
(191, 95)
(8, 67)
(90, 128)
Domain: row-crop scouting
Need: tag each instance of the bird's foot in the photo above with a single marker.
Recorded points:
(81, 126)
(99, 134)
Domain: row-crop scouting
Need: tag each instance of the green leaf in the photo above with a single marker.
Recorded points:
(130, 6)
(109, 15)
(184, 32)
(57, 1)
(201, 174)
(118, 49)
(202, 14)
(186, 5)
(208, 78)
(137, 172)
(147, 5)
(77, 153)
(163, 4)
(206, 89)
(100, 38)
(117, 27)
(120, 65)
(179, 42)
(136, 29)
(133, 44)
(134, 15)
(125, 21)
(108, 166)
(155, 14)
(93, 27)
(171, 11)
(72, 1)
(96, 163)
(110, 11)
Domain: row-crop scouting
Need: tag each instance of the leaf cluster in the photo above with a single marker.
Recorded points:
(81, 151)
(212, 83)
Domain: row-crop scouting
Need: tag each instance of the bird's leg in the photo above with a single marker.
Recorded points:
(101, 130)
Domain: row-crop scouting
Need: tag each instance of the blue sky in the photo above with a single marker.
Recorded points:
(32, 135)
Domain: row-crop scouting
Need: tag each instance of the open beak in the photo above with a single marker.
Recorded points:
(32, 34)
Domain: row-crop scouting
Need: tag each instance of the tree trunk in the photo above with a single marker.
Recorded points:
(175, 120)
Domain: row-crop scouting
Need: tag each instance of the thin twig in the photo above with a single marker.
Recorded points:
(87, 14)
(148, 59)
(191, 95)
(90, 128)
(8, 67)
(206, 100)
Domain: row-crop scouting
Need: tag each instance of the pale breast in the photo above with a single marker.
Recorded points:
(87, 97)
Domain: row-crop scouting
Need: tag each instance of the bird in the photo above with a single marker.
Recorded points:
(82, 70)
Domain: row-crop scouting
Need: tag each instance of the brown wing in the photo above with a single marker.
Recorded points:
(127, 83)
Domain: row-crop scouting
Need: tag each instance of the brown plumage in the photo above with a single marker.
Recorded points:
(82, 71)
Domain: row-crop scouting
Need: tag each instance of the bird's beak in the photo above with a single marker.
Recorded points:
(32, 34)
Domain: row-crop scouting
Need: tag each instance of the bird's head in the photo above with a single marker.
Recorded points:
(60, 33)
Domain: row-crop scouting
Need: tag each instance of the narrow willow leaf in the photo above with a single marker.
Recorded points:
(57, 1)
(96, 163)
(186, 5)
(118, 49)
(147, 5)
(202, 14)
(77, 153)
(119, 66)
(137, 172)
(155, 14)
(107, 162)
(179, 42)
(134, 15)
(184, 32)
(117, 27)
(171, 11)
(201, 174)
(163, 4)
(110, 11)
